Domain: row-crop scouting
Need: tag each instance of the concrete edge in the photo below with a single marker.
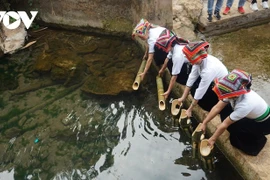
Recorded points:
(238, 159)
(244, 164)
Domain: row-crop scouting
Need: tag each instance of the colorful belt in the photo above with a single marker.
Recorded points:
(264, 116)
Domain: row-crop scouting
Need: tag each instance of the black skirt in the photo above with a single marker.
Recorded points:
(160, 56)
(247, 134)
(182, 77)
(208, 100)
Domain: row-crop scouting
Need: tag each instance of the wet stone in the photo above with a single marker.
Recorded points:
(43, 63)
(8, 157)
(118, 82)
(12, 132)
(22, 121)
(44, 153)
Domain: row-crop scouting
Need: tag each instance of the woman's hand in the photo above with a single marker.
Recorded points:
(189, 112)
(203, 127)
(142, 75)
(145, 56)
(211, 142)
(160, 72)
(180, 100)
(166, 94)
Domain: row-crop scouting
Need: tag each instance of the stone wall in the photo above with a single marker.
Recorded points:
(112, 17)
(186, 15)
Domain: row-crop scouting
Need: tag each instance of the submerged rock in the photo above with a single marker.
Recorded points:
(111, 85)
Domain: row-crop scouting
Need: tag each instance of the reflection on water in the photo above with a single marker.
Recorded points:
(59, 132)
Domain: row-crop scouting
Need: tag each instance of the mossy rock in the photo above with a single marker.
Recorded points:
(43, 63)
(112, 85)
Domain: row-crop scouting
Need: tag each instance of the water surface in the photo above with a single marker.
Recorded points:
(57, 131)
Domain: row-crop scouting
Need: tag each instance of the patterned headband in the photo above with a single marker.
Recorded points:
(196, 51)
(167, 38)
(141, 27)
(236, 83)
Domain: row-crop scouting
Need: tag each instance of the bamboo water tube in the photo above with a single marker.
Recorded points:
(175, 111)
(185, 123)
(160, 91)
(137, 81)
(206, 155)
(176, 108)
(197, 137)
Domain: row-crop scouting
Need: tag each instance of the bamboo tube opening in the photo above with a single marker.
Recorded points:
(161, 105)
(183, 114)
(176, 107)
(160, 91)
(137, 81)
(197, 134)
(205, 149)
(202, 137)
(184, 120)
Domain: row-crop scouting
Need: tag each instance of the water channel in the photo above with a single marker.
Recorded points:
(67, 111)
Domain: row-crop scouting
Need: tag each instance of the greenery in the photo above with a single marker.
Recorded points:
(7, 4)
(35, 26)
(24, 142)
(52, 112)
(14, 112)
(2, 103)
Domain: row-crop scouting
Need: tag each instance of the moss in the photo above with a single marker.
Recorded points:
(120, 25)
(12, 113)
(72, 98)
(53, 112)
(24, 142)
(38, 93)
(48, 96)
(2, 103)
(51, 90)
(8, 78)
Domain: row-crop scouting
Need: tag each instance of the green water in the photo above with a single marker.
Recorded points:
(72, 128)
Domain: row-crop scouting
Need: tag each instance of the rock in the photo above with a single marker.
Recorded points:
(185, 16)
(12, 132)
(43, 62)
(8, 157)
(111, 85)
(12, 40)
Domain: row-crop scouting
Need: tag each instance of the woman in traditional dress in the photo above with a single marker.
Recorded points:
(150, 33)
(249, 120)
(205, 68)
(180, 67)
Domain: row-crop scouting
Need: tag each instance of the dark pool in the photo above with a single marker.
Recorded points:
(57, 131)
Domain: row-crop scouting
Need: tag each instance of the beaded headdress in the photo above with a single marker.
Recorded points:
(236, 83)
(167, 38)
(196, 51)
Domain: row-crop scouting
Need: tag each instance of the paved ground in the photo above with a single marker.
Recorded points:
(234, 20)
(249, 167)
